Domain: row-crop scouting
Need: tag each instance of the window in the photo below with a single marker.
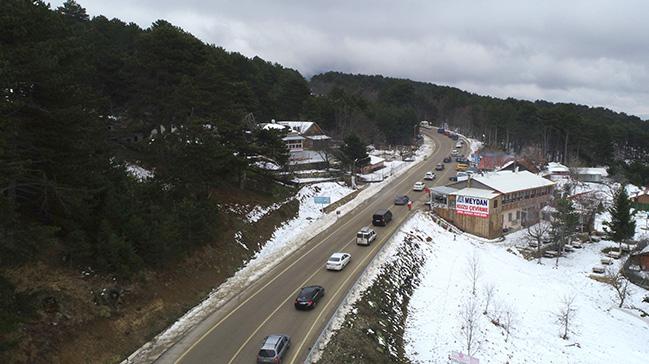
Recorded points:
(509, 216)
(518, 215)
(495, 203)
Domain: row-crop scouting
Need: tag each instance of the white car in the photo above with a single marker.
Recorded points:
(418, 186)
(338, 261)
(429, 176)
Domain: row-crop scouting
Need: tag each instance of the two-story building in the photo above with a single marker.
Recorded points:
(488, 204)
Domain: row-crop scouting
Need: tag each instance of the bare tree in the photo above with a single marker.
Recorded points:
(537, 233)
(566, 314)
(489, 291)
(473, 271)
(619, 283)
(509, 320)
(469, 317)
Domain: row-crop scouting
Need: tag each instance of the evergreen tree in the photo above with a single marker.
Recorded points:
(353, 152)
(564, 223)
(621, 227)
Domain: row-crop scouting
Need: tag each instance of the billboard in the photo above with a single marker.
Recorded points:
(472, 206)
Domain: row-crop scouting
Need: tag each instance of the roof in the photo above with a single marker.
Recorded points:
(267, 126)
(337, 255)
(318, 137)
(443, 190)
(305, 157)
(643, 192)
(554, 167)
(644, 251)
(491, 162)
(476, 192)
(299, 126)
(293, 137)
(592, 170)
(376, 160)
(508, 181)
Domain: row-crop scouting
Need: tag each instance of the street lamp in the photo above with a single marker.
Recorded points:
(353, 175)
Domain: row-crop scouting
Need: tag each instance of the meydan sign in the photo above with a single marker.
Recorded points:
(472, 206)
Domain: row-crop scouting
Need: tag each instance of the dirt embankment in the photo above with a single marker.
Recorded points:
(81, 316)
(373, 330)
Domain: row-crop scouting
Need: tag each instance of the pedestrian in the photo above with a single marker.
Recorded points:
(409, 205)
(454, 236)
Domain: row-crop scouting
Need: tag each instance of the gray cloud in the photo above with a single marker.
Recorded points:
(591, 52)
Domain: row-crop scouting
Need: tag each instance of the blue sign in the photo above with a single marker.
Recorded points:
(322, 200)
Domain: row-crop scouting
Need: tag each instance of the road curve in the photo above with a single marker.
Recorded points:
(234, 333)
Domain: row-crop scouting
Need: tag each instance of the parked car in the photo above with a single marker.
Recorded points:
(429, 176)
(409, 159)
(401, 200)
(418, 186)
(309, 297)
(440, 130)
(448, 159)
(273, 349)
(439, 167)
(461, 167)
(454, 152)
(380, 218)
(458, 145)
(338, 261)
(367, 235)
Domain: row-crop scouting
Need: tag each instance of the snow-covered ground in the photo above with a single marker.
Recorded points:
(138, 172)
(394, 167)
(286, 239)
(530, 295)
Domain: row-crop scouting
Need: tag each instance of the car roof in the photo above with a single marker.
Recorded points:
(271, 341)
(366, 229)
(337, 255)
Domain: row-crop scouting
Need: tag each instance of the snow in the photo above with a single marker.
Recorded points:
(305, 157)
(374, 159)
(555, 167)
(138, 172)
(286, 239)
(260, 211)
(394, 168)
(476, 192)
(269, 166)
(532, 294)
(592, 170)
(299, 126)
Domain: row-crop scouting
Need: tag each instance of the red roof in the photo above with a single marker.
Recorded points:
(490, 163)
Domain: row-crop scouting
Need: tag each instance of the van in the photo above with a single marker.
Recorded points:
(381, 217)
(365, 236)
(461, 176)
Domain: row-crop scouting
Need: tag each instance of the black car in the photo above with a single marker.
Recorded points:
(401, 200)
(309, 297)
(447, 160)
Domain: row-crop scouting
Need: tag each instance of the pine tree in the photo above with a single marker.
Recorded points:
(564, 223)
(621, 227)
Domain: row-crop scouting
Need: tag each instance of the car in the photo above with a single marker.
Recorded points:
(273, 349)
(308, 297)
(461, 167)
(455, 152)
(409, 159)
(338, 261)
(448, 159)
(380, 218)
(367, 235)
(418, 186)
(458, 145)
(439, 167)
(401, 200)
(429, 176)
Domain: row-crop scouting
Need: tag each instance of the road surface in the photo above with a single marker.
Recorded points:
(235, 333)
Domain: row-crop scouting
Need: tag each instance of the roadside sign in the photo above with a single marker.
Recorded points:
(322, 200)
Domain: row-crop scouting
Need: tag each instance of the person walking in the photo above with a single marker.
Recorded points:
(409, 205)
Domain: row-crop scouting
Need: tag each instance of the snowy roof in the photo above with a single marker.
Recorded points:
(640, 193)
(305, 156)
(508, 181)
(476, 192)
(293, 137)
(299, 126)
(592, 170)
(443, 190)
(375, 159)
(267, 126)
(318, 137)
(554, 167)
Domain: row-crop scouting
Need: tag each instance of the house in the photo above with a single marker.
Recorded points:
(556, 171)
(591, 174)
(519, 164)
(375, 163)
(640, 199)
(301, 135)
(488, 204)
(641, 259)
(491, 161)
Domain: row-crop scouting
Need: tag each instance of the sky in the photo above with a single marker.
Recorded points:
(583, 51)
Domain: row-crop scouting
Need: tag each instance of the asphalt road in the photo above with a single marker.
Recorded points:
(235, 332)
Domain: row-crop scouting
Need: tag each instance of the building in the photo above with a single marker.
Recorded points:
(491, 161)
(641, 259)
(486, 205)
(640, 199)
(301, 135)
(591, 174)
(556, 171)
(521, 165)
(375, 163)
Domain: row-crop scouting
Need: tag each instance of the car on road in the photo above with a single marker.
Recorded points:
(418, 186)
(461, 167)
(308, 297)
(367, 235)
(380, 218)
(273, 349)
(338, 261)
(448, 159)
(401, 200)
(439, 167)
(455, 152)
(429, 176)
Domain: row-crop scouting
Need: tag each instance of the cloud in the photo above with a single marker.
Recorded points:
(590, 52)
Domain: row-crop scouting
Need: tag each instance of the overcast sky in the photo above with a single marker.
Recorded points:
(584, 51)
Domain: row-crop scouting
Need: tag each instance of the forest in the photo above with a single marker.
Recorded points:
(83, 98)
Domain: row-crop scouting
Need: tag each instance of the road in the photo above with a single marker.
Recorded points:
(235, 332)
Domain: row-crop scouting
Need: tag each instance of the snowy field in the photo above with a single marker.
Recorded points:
(526, 295)
(286, 239)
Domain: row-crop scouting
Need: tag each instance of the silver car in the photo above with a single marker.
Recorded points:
(273, 349)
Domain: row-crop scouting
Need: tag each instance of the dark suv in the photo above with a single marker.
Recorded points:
(273, 349)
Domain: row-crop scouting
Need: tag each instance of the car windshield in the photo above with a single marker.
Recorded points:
(307, 292)
(265, 353)
(334, 259)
